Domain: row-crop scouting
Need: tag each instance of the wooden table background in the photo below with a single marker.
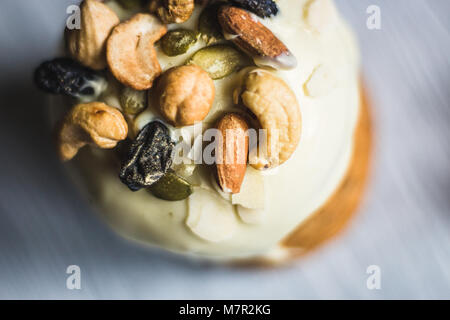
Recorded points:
(403, 226)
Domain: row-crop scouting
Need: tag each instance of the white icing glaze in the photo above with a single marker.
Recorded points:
(293, 191)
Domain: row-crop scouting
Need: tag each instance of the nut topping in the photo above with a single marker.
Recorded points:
(253, 37)
(186, 94)
(275, 106)
(130, 51)
(91, 123)
(231, 156)
(88, 44)
(172, 11)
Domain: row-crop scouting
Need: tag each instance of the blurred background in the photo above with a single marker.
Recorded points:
(403, 225)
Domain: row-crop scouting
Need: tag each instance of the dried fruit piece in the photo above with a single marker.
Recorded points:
(149, 158)
(208, 25)
(88, 43)
(178, 41)
(92, 123)
(130, 51)
(132, 101)
(172, 11)
(68, 77)
(171, 188)
(185, 94)
(263, 8)
(219, 60)
(254, 38)
(212, 221)
(231, 155)
(275, 106)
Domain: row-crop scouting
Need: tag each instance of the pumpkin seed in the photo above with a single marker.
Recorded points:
(171, 187)
(178, 41)
(219, 60)
(132, 101)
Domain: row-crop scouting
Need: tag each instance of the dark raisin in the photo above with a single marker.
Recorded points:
(262, 8)
(66, 76)
(149, 158)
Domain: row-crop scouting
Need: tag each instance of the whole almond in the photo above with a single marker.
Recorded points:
(253, 37)
(232, 153)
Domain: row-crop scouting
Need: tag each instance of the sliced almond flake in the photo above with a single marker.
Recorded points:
(210, 217)
(320, 83)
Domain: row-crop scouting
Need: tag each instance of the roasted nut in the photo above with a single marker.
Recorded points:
(91, 123)
(219, 60)
(130, 51)
(88, 44)
(275, 106)
(231, 155)
(254, 38)
(186, 94)
(172, 11)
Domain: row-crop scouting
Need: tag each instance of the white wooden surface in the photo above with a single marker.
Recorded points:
(403, 227)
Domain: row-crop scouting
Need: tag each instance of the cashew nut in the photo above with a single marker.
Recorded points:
(92, 123)
(172, 11)
(275, 106)
(186, 94)
(88, 44)
(130, 51)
